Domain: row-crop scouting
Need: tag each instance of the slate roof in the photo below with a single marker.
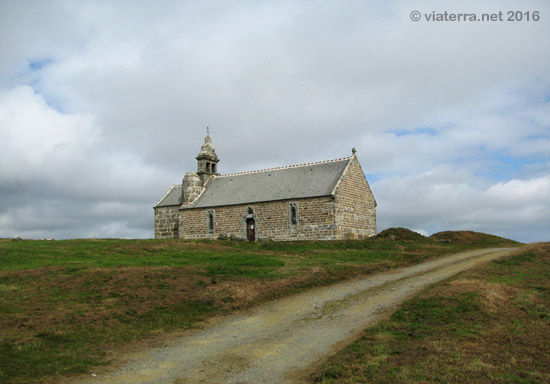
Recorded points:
(172, 197)
(292, 182)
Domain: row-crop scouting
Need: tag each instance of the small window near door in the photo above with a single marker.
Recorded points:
(210, 221)
(293, 214)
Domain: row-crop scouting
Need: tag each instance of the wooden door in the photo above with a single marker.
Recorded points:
(250, 230)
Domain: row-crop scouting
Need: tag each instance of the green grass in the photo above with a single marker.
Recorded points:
(376, 355)
(65, 304)
(490, 325)
(426, 316)
(66, 350)
(111, 253)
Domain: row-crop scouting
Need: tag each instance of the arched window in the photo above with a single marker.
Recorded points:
(210, 221)
(250, 211)
(293, 214)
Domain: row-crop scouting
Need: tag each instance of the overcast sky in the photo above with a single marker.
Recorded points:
(104, 105)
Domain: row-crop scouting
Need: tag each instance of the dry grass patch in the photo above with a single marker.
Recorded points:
(492, 296)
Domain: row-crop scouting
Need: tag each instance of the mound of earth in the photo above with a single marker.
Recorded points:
(468, 237)
(401, 234)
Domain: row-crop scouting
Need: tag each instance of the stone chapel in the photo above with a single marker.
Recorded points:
(327, 200)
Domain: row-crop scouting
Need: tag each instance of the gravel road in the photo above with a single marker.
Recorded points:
(280, 341)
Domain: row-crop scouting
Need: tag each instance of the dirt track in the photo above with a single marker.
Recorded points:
(278, 342)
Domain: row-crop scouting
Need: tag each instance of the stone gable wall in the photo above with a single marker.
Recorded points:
(355, 205)
(166, 222)
(272, 220)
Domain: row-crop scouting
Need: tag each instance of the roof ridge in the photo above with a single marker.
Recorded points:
(284, 167)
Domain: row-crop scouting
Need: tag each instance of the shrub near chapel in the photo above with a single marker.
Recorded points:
(327, 200)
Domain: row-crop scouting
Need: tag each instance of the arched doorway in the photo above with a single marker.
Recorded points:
(250, 229)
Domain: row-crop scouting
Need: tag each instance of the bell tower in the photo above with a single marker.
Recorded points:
(207, 160)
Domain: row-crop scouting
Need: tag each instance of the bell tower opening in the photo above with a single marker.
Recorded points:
(207, 160)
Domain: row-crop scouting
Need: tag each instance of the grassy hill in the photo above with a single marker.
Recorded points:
(488, 325)
(65, 306)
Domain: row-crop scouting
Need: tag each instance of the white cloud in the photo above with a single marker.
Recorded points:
(447, 198)
(37, 138)
(57, 179)
(520, 192)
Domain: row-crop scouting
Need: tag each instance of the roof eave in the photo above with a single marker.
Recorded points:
(253, 202)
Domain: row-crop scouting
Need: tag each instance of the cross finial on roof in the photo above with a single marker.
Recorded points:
(207, 131)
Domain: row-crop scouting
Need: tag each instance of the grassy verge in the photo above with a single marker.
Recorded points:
(65, 305)
(485, 326)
